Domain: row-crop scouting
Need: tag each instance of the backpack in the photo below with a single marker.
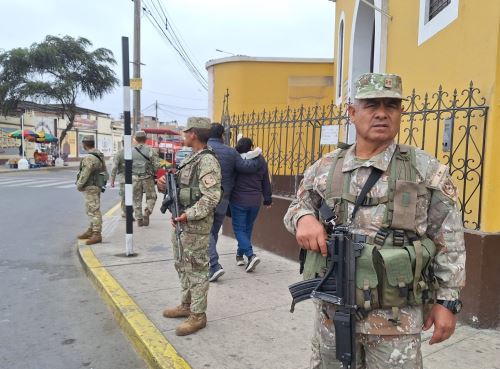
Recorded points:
(101, 178)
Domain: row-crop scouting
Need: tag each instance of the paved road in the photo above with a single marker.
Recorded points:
(51, 317)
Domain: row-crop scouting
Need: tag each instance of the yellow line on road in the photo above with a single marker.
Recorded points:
(146, 338)
(112, 210)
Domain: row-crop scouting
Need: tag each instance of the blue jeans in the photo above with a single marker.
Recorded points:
(220, 214)
(243, 218)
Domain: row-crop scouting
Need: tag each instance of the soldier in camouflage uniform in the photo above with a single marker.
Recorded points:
(145, 163)
(87, 182)
(199, 192)
(119, 171)
(425, 215)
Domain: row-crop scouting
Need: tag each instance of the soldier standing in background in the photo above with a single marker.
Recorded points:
(414, 251)
(199, 191)
(88, 183)
(119, 171)
(145, 163)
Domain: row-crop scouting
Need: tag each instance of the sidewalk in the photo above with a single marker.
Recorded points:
(249, 323)
(71, 165)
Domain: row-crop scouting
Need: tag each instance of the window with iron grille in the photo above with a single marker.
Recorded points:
(435, 6)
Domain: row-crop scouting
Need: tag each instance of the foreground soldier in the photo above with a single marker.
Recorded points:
(145, 163)
(88, 183)
(414, 246)
(199, 192)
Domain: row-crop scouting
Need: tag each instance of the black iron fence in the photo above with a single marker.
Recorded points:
(449, 126)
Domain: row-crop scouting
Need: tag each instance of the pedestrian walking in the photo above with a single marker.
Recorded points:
(145, 163)
(119, 171)
(250, 189)
(199, 191)
(413, 252)
(231, 164)
(90, 181)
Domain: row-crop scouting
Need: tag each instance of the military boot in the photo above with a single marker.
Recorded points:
(86, 235)
(145, 218)
(140, 222)
(181, 311)
(194, 323)
(95, 238)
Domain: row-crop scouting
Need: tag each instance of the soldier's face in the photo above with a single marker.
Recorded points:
(377, 121)
(188, 138)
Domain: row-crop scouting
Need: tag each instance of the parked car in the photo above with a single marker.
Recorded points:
(181, 155)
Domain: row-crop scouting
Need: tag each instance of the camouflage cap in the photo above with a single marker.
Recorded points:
(88, 138)
(140, 134)
(197, 122)
(377, 85)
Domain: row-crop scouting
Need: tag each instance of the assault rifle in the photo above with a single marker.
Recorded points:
(171, 202)
(338, 287)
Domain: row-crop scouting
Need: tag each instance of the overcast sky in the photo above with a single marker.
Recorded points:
(260, 28)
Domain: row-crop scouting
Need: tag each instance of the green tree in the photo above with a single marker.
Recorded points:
(56, 70)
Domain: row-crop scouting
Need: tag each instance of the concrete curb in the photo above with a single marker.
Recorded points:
(148, 341)
(46, 169)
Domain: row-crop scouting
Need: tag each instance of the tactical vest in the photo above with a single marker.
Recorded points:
(141, 164)
(189, 191)
(95, 177)
(393, 269)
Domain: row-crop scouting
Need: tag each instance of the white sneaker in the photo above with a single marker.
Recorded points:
(239, 260)
(253, 261)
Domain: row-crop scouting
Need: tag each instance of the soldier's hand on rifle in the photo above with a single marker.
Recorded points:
(161, 183)
(444, 322)
(182, 218)
(311, 234)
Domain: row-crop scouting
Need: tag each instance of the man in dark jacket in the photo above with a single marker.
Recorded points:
(231, 164)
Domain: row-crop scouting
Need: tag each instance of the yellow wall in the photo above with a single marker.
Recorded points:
(466, 50)
(258, 85)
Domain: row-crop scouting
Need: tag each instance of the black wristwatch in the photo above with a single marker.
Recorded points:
(454, 306)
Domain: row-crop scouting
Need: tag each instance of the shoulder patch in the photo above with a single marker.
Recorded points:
(449, 189)
(438, 177)
(209, 180)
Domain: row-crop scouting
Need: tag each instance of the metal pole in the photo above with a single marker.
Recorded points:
(22, 134)
(127, 150)
(137, 63)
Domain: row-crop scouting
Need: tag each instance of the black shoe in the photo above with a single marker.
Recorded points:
(239, 260)
(253, 261)
(213, 275)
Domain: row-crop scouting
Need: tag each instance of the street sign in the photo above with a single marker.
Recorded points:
(136, 84)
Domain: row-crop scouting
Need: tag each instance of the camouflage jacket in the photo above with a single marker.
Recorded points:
(89, 166)
(437, 217)
(204, 172)
(148, 167)
(118, 167)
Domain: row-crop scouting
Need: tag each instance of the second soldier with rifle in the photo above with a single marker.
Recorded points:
(198, 182)
(397, 206)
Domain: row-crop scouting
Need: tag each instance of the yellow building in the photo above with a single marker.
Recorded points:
(257, 84)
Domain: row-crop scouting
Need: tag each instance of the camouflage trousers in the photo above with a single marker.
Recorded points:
(122, 198)
(372, 351)
(193, 269)
(93, 207)
(140, 186)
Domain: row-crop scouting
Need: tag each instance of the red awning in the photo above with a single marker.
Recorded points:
(162, 131)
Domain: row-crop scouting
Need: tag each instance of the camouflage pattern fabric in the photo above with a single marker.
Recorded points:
(204, 170)
(437, 217)
(118, 171)
(377, 85)
(402, 351)
(193, 270)
(142, 167)
(88, 167)
(143, 186)
(93, 208)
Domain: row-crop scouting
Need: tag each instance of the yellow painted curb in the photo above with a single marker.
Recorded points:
(112, 210)
(146, 338)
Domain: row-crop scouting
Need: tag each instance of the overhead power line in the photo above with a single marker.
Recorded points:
(154, 14)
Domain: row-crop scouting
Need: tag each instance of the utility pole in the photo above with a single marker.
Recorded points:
(156, 110)
(137, 64)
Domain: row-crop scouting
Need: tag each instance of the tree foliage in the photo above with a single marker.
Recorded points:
(56, 70)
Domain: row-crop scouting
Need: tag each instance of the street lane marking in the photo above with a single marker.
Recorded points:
(147, 339)
(51, 183)
(21, 182)
(112, 210)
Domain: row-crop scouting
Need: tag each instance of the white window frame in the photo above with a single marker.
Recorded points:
(428, 28)
(340, 61)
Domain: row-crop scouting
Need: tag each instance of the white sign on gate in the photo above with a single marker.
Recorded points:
(329, 135)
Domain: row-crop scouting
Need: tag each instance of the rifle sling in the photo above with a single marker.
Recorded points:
(140, 152)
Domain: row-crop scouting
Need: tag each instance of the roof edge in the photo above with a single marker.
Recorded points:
(245, 58)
